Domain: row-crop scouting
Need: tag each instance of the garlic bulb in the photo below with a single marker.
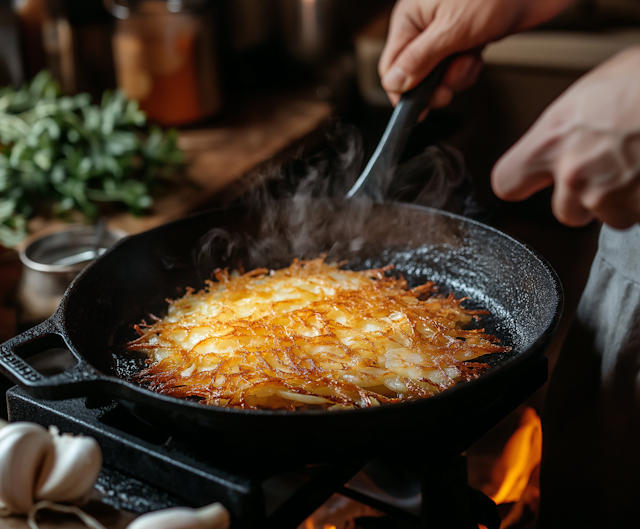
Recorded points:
(36, 464)
(23, 447)
(69, 470)
(213, 516)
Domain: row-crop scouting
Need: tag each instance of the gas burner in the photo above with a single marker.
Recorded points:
(146, 469)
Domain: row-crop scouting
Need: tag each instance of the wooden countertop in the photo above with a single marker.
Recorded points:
(218, 155)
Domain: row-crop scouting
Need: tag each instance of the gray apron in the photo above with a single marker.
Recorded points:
(590, 473)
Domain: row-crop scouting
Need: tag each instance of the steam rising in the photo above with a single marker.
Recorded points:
(302, 212)
(436, 178)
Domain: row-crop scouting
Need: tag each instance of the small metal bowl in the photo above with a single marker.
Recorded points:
(51, 262)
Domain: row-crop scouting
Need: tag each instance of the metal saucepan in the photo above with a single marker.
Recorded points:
(133, 279)
(51, 262)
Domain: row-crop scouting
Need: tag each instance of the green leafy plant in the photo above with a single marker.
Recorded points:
(60, 154)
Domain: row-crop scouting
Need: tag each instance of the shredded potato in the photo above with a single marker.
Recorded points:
(310, 336)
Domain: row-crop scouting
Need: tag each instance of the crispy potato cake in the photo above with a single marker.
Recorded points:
(310, 336)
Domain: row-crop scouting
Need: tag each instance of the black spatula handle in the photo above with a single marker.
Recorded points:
(374, 181)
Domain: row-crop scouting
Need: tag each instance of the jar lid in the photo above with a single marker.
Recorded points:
(124, 9)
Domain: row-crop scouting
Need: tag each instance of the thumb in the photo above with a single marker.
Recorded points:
(414, 62)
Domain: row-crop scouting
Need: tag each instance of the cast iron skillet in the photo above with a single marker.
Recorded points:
(133, 279)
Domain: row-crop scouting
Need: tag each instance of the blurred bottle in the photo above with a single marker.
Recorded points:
(317, 30)
(309, 28)
(39, 40)
(11, 68)
(250, 23)
(164, 53)
(71, 38)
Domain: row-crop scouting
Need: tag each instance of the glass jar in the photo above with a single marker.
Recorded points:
(165, 58)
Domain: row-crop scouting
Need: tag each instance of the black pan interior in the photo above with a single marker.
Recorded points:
(133, 280)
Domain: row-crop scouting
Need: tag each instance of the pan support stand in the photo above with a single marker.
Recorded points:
(449, 502)
(177, 477)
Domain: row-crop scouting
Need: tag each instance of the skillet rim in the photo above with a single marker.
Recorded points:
(497, 372)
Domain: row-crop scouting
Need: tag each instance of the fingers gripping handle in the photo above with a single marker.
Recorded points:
(376, 178)
(46, 335)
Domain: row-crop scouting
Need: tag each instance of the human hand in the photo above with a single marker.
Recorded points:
(423, 32)
(586, 144)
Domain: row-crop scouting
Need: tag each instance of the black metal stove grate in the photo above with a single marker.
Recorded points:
(144, 469)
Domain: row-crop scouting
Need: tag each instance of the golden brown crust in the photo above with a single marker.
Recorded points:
(310, 336)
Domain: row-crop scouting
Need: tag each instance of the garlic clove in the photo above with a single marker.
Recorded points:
(70, 470)
(10, 428)
(23, 448)
(213, 516)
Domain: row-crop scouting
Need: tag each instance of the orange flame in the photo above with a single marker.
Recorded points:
(521, 455)
(308, 524)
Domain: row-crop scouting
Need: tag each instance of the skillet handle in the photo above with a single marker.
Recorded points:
(46, 335)
(376, 177)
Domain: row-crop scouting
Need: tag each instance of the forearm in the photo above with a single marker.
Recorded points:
(540, 11)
